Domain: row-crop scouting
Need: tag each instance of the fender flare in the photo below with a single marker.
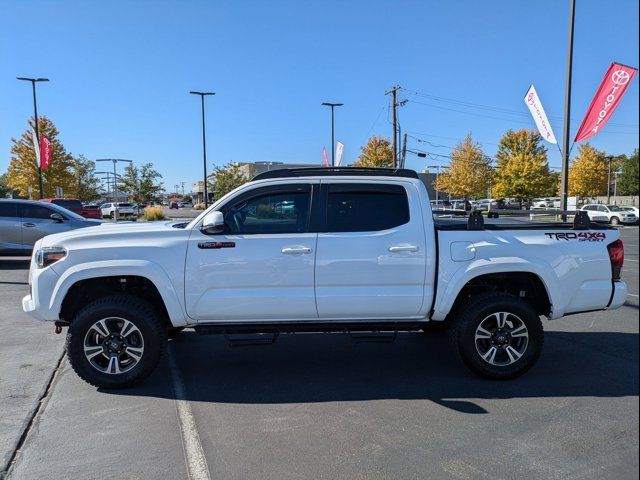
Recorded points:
(447, 296)
(112, 268)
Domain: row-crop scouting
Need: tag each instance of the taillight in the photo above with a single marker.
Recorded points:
(616, 255)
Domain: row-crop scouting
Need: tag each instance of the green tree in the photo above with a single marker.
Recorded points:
(5, 191)
(141, 183)
(523, 170)
(469, 172)
(86, 182)
(628, 182)
(226, 178)
(588, 173)
(376, 153)
(23, 167)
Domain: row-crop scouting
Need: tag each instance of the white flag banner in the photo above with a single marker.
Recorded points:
(339, 148)
(539, 116)
(36, 145)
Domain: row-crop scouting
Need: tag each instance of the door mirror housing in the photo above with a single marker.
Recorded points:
(213, 222)
(56, 217)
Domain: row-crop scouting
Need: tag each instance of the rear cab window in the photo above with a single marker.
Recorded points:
(359, 207)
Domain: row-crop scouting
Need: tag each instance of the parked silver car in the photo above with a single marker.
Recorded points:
(24, 222)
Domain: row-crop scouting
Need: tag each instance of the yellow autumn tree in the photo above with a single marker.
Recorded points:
(376, 153)
(588, 173)
(23, 167)
(469, 173)
(523, 170)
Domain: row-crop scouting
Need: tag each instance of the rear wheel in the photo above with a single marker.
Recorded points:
(498, 336)
(115, 342)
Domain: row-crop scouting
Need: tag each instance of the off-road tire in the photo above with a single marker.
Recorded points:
(462, 334)
(137, 311)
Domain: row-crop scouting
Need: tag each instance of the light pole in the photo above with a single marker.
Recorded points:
(115, 180)
(567, 117)
(333, 148)
(35, 113)
(204, 144)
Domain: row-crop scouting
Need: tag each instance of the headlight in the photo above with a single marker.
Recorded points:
(48, 255)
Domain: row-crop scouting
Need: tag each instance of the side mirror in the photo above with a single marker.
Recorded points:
(56, 217)
(213, 222)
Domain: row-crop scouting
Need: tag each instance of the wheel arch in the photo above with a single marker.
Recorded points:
(525, 280)
(84, 283)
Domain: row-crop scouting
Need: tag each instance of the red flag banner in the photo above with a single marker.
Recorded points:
(45, 151)
(611, 90)
(325, 158)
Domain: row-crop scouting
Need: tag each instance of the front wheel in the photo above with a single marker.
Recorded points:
(498, 336)
(615, 221)
(115, 342)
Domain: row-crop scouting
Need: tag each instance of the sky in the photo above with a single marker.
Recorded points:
(121, 71)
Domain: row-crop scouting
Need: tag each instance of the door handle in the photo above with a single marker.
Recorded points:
(294, 250)
(403, 248)
(28, 224)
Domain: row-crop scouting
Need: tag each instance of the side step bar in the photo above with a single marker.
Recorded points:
(245, 334)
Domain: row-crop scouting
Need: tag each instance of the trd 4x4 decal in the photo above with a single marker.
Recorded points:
(581, 236)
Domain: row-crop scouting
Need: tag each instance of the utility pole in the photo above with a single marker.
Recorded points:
(404, 150)
(204, 144)
(333, 145)
(35, 114)
(567, 116)
(394, 104)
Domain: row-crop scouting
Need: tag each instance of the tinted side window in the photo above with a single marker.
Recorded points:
(34, 211)
(8, 209)
(365, 208)
(270, 213)
(602, 208)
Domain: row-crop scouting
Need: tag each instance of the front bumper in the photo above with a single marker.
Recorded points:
(37, 305)
(619, 295)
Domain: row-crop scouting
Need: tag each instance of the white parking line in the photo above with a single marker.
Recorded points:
(197, 467)
(632, 295)
(630, 260)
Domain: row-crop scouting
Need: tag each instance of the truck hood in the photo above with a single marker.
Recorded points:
(107, 232)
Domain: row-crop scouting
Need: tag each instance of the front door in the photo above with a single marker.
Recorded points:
(261, 266)
(37, 222)
(371, 257)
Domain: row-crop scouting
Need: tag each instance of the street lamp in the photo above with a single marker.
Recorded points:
(204, 144)
(115, 176)
(35, 110)
(333, 148)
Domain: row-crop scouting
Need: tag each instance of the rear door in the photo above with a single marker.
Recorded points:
(371, 257)
(10, 226)
(262, 265)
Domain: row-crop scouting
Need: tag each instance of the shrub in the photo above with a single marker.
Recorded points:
(152, 213)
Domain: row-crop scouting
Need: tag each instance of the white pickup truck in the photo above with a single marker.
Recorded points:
(344, 249)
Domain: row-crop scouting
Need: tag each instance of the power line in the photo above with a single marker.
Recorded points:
(494, 108)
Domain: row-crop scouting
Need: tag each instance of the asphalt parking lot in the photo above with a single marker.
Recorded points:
(319, 406)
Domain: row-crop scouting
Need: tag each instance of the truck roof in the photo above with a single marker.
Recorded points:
(337, 171)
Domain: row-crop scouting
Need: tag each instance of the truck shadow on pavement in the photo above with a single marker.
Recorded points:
(309, 368)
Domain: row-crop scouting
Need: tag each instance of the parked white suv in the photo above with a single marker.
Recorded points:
(124, 210)
(614, 214)
(317, 250)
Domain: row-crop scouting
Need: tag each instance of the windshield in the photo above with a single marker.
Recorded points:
(69, 204)
(124, 204)
(67, 213)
